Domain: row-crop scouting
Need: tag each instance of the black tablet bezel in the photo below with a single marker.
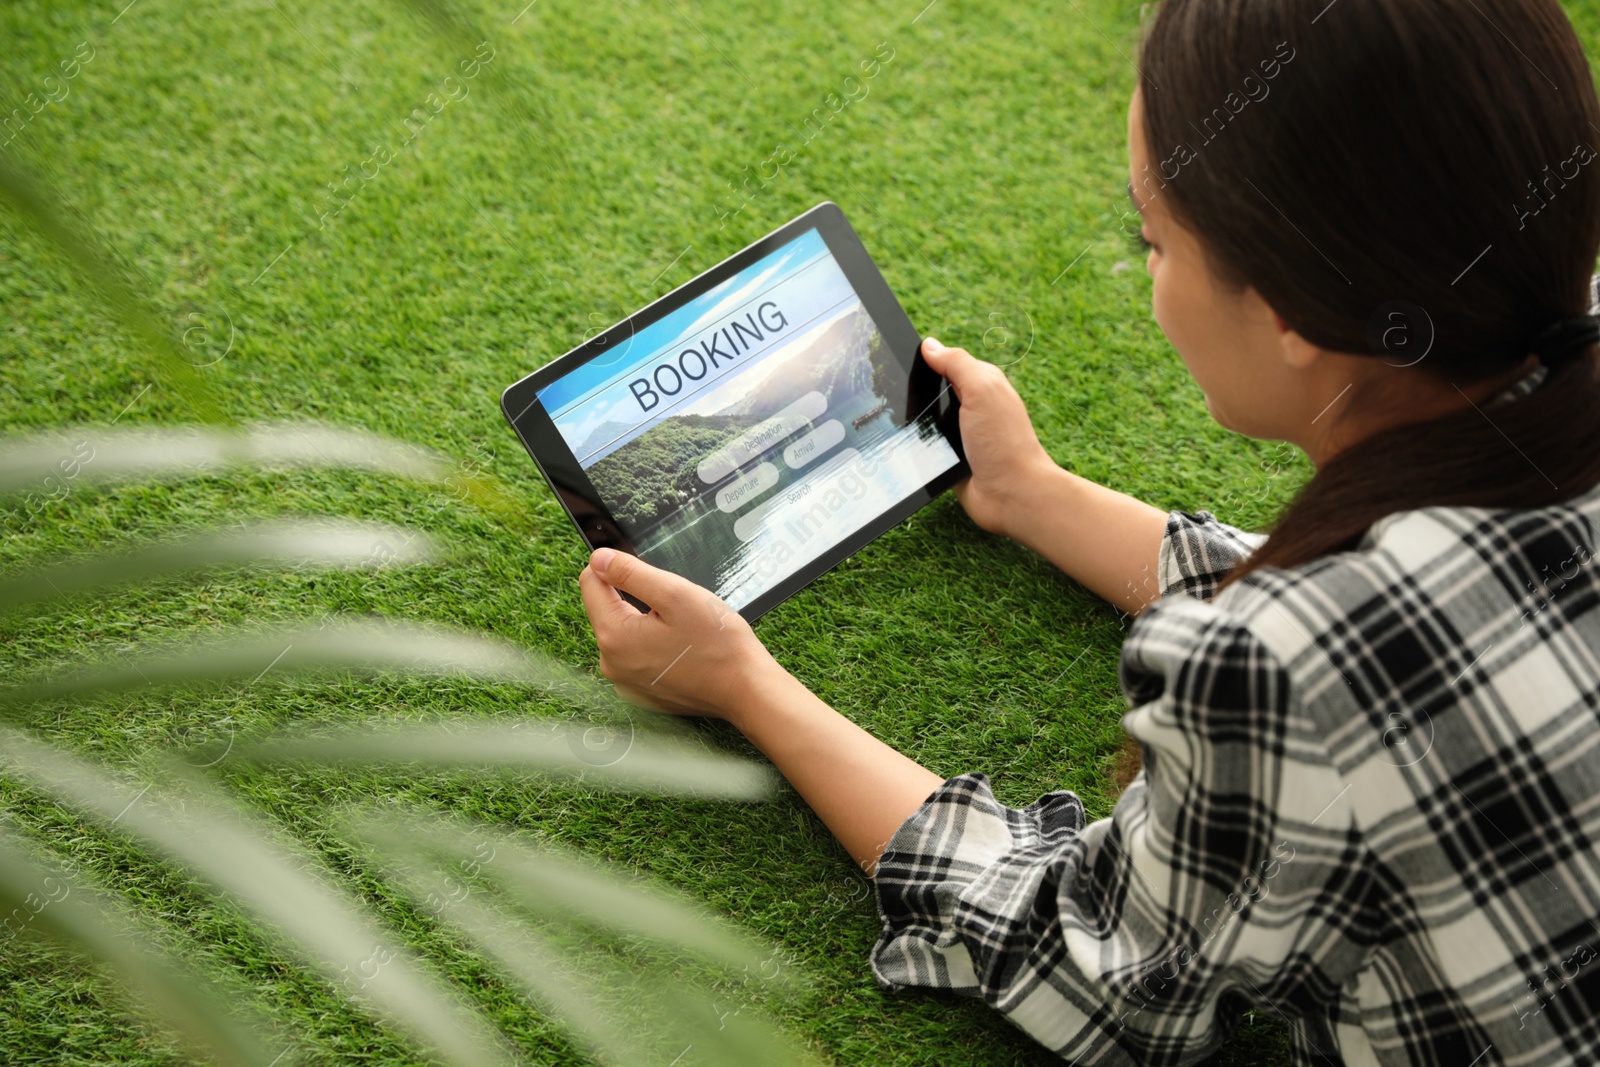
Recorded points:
(522, 409)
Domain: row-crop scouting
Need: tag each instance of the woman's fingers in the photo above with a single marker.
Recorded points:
(964, 371)
(640, 653)
(1002, 449)
(662, 590)
(951, 363)
(606, 609)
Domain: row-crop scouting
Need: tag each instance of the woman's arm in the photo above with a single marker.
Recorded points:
(692, 655)
(860, 787)
(1106, 540)
(1121, 941)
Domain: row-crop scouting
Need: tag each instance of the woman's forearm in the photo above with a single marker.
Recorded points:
(860, 787)
(1108, 541)
(863, 789)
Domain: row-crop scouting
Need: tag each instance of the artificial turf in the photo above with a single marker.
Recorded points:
(586, 168)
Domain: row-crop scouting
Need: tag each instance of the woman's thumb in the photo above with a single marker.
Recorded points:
(633, 575)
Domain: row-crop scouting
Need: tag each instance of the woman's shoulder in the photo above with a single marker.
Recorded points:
(1435, 606)
(1490, 565)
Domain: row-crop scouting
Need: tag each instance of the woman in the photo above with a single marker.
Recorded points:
(1370, 791)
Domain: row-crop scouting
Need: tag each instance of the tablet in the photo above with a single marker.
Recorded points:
(752, 428)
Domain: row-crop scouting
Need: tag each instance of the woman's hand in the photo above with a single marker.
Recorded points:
(1109, 541)
(691, 655)
(1002, 449)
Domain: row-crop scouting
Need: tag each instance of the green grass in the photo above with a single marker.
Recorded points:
(582, 175)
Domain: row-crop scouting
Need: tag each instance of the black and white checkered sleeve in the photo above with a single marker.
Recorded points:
(1140, 938)
(1198, 551)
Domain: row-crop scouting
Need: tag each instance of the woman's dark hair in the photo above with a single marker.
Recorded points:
(1395, 178)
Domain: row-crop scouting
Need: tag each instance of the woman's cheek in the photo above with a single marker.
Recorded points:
(1161, 305)
(1176, 322)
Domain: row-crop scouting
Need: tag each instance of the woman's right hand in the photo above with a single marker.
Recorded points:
(998, 437)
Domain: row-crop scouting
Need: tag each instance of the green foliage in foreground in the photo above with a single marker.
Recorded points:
(328, 230)
(180, 820)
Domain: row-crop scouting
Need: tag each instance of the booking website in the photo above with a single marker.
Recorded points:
(754, 428)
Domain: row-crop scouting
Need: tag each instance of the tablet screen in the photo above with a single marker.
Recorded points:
(751, 430)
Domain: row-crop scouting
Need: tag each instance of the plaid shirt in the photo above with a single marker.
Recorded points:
(1369, 805)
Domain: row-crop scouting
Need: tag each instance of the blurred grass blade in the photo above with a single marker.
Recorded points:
(37, 208)
(517, 92)
(354, 644)
(542, 971)
(547, 880)
(737, 1039)
(327, 543)
(51, 907)
(683, 1019)
(47, 462)
(208, 836)
(101, 454)
(645, 764)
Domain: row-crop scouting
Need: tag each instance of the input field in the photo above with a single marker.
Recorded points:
(813, 444)
(756, 440)
(837, 467)
(736, 495)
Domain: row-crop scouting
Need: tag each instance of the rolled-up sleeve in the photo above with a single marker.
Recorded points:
(1138, 938)
(1197, 552)
(962, 834)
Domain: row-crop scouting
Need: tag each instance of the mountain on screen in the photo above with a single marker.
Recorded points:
(601, 436)
(652, 475)
(835, 363)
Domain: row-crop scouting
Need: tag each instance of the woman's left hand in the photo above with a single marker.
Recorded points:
(691, 655)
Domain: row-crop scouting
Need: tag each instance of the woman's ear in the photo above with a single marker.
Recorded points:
(1298, 353)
